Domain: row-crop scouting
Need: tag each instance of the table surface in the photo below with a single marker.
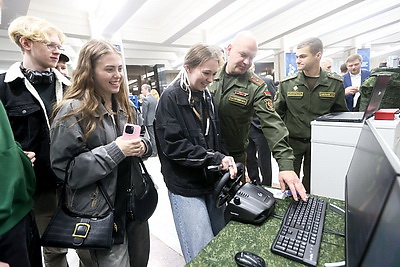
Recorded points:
(258, 239)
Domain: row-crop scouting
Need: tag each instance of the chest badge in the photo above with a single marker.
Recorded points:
(241, 93)
(295, 88)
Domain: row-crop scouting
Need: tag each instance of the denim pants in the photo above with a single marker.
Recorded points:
(197, 221)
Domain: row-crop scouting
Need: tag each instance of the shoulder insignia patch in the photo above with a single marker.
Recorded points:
(335, 76)
(294, 75)
(255, 79)
(269, 104)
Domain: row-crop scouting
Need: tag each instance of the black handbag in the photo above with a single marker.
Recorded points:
(140, 207)
(69, 230)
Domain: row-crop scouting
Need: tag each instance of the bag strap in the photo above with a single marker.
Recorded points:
(99, 184)
(143, 166)
(140, 178)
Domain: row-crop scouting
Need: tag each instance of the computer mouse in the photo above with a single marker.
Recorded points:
(248, 259)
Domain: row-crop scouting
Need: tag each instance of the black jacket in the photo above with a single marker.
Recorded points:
(183, 149)
(30, 120)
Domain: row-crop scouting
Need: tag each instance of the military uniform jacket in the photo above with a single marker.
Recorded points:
(236, 104)
(298, 105)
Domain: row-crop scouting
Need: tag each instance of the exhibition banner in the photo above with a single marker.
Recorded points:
(366, 55)
(291, 66)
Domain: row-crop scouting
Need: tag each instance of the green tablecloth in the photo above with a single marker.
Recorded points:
(237, 237)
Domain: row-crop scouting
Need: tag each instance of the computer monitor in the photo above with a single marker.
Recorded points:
(384, 248)
(371, 177)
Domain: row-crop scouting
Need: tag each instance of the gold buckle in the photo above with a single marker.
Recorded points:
(74, 234)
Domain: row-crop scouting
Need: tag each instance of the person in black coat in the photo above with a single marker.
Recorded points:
(188, 141)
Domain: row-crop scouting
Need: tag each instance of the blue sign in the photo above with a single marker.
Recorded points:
(291, 66)
(135, 100)
(365, 53)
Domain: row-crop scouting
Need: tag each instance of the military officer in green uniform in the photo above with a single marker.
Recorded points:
(305, 95)
(238, 94)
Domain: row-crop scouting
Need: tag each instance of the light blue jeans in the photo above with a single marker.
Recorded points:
(197, 221)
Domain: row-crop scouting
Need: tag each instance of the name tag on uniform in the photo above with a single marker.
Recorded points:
(295, 94)
(327, 94)
(238, 100)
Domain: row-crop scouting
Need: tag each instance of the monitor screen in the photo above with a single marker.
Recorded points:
(372, 172)
(384, 249)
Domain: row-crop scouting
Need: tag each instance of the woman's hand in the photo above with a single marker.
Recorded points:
(228, 163)
(132, 147)
(31, 155)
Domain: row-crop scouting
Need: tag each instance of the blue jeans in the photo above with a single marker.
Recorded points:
(197, 221)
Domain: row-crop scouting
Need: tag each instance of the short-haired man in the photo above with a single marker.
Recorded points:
(28, 91)
(238, 94)
(326, 63)
(304, 96)
(343, 69)
(352, 81)
(149, 105)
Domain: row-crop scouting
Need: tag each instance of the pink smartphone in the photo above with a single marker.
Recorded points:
(131, 131)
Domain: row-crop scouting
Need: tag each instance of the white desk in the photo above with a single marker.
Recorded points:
(332, 148)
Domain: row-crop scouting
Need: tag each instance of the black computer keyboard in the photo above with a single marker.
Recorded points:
(299, 237)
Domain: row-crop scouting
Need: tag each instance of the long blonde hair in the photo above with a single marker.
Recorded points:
(83, 87)
(155, 93)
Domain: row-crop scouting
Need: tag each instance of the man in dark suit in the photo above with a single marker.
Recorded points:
(149, 111)
(352, 81)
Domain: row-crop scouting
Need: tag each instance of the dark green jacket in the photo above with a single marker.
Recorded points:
(17, 178)
(298, 105)
(391, 98)
(236, 104)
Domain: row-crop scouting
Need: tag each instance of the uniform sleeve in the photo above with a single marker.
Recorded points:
(340, 101)
(88, 165)
(280, 102)
(274, 130)
(173, 135)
